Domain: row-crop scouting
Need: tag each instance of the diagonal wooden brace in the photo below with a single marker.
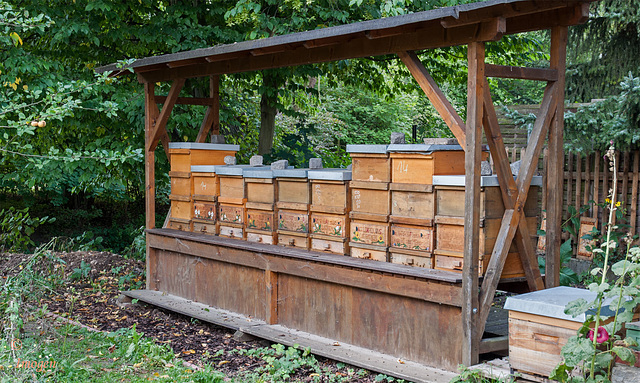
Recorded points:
(211, 120)
(435, 95)
(159, 131)
(509, 191)
(512, 217)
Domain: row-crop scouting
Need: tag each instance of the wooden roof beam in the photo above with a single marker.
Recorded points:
(433, 36)
(193, 61)
(549, 19)
(536, 74)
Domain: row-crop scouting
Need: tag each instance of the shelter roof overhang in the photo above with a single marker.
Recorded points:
(450, 26)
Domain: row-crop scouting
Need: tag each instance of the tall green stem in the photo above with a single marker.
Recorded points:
(600, 297)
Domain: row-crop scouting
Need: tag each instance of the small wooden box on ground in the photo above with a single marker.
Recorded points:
(369, 240)
(449, 223)
(261, 197)
(329, 210)
(539, 328)
(231, 203)
(185, 154)
(206, 190)
(418, 163)
(292, 207)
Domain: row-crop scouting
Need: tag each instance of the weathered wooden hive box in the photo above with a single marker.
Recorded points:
(183, 156)
(449, 223)
(231, 202)
(260, 185)
(329, 210)
(539, 328)
(292, 207)
(413, 204)
(206, 190)
(370, 201)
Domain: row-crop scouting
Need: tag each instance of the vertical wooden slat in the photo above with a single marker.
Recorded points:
(473, 157)
(596, 185)
(569, 181)
(634, 192)
(558, 57)
(587, 181)
(578, 178)
(624, 191)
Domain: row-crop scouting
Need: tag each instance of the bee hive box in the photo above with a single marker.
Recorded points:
(292, 207)
(329, 210)
(206, 190)
(261, 197)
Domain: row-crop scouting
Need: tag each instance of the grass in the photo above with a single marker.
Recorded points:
(67, 353)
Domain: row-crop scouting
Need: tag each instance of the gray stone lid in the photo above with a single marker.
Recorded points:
(374, 149)
(203, 146)
(257, 172)
(204, 168)
(291, 173)
(552, 302)
(420, 148)
(235, 170)
(458, 180)
(330, 174)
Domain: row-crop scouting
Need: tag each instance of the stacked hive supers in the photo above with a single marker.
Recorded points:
(413, 199)
(404, 204)
(183, 156)
(329, 210)
(370, 198)
(261, 197)
(294, 198)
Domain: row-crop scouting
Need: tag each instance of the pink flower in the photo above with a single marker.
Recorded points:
(602, 336)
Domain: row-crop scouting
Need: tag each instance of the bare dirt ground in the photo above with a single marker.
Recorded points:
(89, 295)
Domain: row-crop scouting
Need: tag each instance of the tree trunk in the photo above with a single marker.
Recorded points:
(268, 111)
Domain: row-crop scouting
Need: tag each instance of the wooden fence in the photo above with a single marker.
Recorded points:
(589, 178)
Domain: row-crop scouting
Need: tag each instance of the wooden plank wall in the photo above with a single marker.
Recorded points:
(586, 178)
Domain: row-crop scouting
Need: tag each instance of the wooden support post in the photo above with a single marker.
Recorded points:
(555, 169)
(473, 157)
(634, 192)
(435, 95)
(211, 120)
(151, 114)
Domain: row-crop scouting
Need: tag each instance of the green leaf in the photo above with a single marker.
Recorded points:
(577, 307)
(576, 350)
(625, 354)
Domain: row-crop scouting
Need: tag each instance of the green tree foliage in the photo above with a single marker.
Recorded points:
(604, 50)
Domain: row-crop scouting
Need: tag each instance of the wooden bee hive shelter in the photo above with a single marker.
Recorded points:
(376, 311)
(370, 201)
(294, 199)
